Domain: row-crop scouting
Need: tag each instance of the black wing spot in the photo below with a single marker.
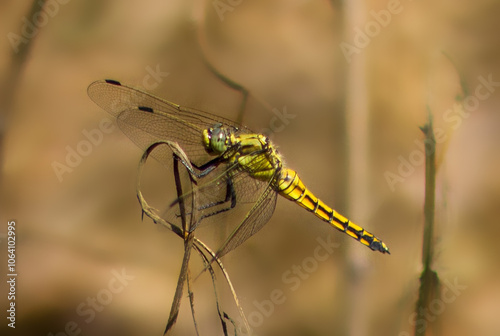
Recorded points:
(145, 109)
(112, 81)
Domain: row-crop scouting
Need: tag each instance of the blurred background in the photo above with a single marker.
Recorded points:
(341, 87)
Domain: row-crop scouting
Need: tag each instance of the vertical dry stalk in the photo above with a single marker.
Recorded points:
(430, 186)
(357, 120)
(203, 45)
(8, 86)
(183, 274)
(204, 49)
(429, 281)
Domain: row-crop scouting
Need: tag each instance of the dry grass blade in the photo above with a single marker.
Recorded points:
(183, 276)
(230, 284)
(246, 94)
(190, 242)
(429, 280)
(8, 85)
(191, 302)
(226, 80)
(222, 315)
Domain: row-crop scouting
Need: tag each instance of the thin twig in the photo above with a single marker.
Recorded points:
(229, 82)
(196, 243)
(176, 302)
(230, 284)
(358, 162)
(191, 302)
(246, 94)
(10, 82)
(429, 280)
(430, 187)
(222, 315)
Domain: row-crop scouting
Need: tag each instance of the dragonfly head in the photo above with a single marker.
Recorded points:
(215, 139)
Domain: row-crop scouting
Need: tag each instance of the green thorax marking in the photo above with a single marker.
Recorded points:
(257, 156)
(253, 152)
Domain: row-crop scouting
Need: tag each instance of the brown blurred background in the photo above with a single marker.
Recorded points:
(354, 122)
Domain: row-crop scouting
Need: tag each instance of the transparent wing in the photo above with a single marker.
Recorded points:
(146, 119)
(246, 188)
(216, 191)
(256, 218)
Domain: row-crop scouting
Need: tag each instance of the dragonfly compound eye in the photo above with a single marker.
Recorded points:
(218, 140)
(214, 139)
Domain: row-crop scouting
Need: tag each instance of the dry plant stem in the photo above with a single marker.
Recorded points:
(430, 186)
(229, 82)
(203, 46)
(429, 281)
(9, 85)
(176, 303)
(222, 315)
(230, 284)
(232, 84)
(196, 243)
(357, 118)
(191, 302)
(200, 247)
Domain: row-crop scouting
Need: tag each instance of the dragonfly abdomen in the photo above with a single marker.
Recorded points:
(291, 186)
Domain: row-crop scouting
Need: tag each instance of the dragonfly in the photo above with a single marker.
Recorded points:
(233, 164)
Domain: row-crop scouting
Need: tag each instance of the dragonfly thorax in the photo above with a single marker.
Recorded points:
(216, 139)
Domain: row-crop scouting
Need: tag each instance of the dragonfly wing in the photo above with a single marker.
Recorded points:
(145, 128)
(248, 188)
(115, 97)
(157, 119)
(256, 218)
(232, 185)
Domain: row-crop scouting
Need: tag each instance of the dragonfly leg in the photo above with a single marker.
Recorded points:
(209, 166)
(205, 168)
(230, 197)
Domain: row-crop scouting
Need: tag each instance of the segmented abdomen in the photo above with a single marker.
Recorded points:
(290, 186)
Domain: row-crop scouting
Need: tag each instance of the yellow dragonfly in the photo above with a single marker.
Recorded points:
(235, 164)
